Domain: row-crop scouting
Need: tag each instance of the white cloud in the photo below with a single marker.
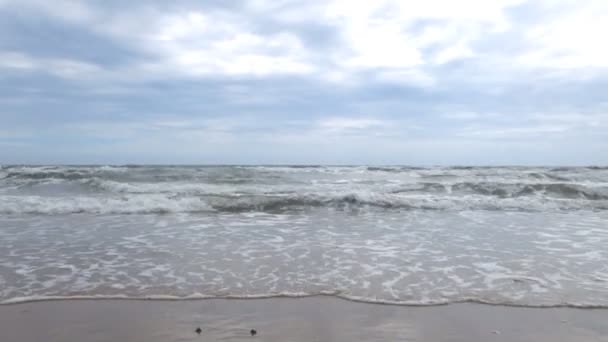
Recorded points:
(452, 49)
(394, 41)
(573, 119)
(453, 53)
(195, 43)
(526, 126)
(466, 115)
(65, 68)
(572, 38)
(348, 123)
(411, 77)
(537, 132)
(14, 60)
(183, 42)
(374, 36)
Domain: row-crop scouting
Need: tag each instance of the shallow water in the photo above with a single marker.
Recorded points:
(520, 236)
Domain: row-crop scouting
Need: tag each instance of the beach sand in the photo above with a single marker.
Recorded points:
(308, 319)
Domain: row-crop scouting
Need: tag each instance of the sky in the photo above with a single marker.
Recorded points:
(469, 82)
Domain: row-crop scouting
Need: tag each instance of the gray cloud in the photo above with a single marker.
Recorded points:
(302, 82)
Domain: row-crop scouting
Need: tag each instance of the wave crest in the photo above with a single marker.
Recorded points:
(155, 189)
(167, 203)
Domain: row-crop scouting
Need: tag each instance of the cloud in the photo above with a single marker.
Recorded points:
(196, 44)
(388, 41)
(370, 37)
(340, 124)
(65, 68)
(569, 39)
(383, 81)
(514, 133)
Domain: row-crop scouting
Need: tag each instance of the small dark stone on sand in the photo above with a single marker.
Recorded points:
(198, 330)
(253, 332)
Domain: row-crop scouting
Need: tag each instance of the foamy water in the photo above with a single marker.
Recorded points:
(417, 236)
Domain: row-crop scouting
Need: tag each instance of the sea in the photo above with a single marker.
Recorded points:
(522, 236)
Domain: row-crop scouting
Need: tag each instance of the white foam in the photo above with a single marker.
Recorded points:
(101, 205)
(302, 233)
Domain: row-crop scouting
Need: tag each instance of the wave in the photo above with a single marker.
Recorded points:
(394, 168)
(305, 166)
(69, 175)
(510, 190)
(547, 175)
(167, 203)
(236, 186)
(560, 190)
(175, 189)
(148, 204)
(337, 294)
(60, 172)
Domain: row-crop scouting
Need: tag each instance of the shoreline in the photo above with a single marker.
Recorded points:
(200, 297)
(313, 318)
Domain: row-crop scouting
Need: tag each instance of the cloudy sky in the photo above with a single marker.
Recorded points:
(316, 81)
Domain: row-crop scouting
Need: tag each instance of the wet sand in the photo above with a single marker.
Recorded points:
(289, 319)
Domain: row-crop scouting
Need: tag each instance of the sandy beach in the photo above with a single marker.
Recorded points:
(292, 319)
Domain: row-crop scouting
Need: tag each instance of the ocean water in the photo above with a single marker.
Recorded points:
(529, 236)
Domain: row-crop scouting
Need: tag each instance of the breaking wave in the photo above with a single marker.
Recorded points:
(164, 204)
(195, 189)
